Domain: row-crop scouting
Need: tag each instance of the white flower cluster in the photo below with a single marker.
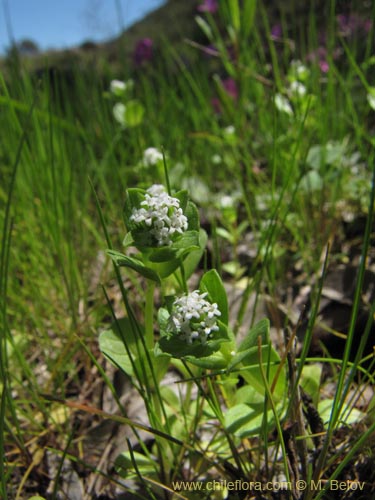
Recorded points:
(162, 214)
(152, 156)
(118, 87)
(297, 89)
(193, 317)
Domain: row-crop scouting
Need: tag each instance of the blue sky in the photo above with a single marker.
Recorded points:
(64, 23)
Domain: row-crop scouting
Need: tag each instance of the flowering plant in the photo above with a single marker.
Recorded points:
(193, 317)
(164, 228)
(195, 324)
(119, 87)
(152, 156)
(193, 333)
(161, 215)
(128, 112)
(143, 51)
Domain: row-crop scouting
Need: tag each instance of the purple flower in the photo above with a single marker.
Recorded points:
(230, 86)
(276, 31)
(319, 56)
(143, 51)
(367, 25)
(210, 6)
(349, 24)
(324, 66)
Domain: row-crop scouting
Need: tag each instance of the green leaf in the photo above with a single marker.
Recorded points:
(215, 361)
(162, 254)
(234, 10)
(179, 348)
(212, 284)
(165, 269)
(315, 157)
(183, 197)
(135, 264)
(204, 26)
(270, 364)
(247, 17)
(145, 465)
(371, 97)
(165, 260)
(189, 240)
(312, 181)
(163, 317)
(134, 112)
(245, 420)
(111, 343)
(248, 358)
(262, 330)
(128, 241)
(223, 233)
(193, 258)
(329, 154)
(192, 214)
(349, 415)
(242, 355)
(310, 380)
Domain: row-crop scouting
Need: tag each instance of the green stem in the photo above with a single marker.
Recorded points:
(184, 283)
(149, 315)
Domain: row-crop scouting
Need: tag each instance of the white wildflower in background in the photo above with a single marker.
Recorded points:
(216, 159)
(226, 201)
(152, 156)
(299, 71)
(162, 214)
(297, 89)
(282, 104)
(193, 317)
(119, 110)
(229, 130)
(117, 86)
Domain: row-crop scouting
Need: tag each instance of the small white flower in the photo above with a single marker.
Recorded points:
(299, 70)
(119, 112)
(152, 156)
(193, 317)
(156, 190)
(117, 86)
(297, 89)
(162, 214)
(226, 201)
(216, 159)
(282, 104)
(230, 130)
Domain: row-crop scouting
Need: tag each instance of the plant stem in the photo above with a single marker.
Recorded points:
(184, 284)
(149, 315)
